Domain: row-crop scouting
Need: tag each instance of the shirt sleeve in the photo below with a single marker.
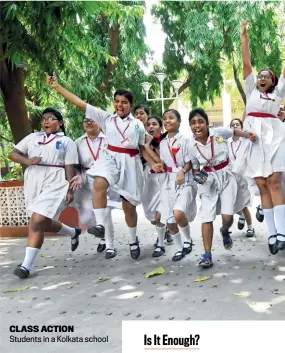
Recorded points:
(98, 115)
(142, 133)
(71, 153)
(187, 155)
(280, 88)
(249, 84)
(194, 160)
(22, 146)
(224, 132)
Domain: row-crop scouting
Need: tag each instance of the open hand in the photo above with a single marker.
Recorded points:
(244, 27)
(51, 80)
(76, 182)
(34, 160)
(180, 177)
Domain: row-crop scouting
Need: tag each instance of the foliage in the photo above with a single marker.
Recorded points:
(202, 35)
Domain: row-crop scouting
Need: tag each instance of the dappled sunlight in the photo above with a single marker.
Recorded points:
(220, 274)
(236, 281)
(129, 295)
(281, 268)
(106, 291)
(279, 278)
(54, 286)
(6, 263)
(4, 251)
(162, 288)
(236, 267)
(263, 307)
(169, 294)
(127, 287)
(117, 279)
(44, 268)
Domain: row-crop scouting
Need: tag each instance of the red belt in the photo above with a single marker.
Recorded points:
(50, 165)
(261, 115)
(170, 170)
(130, 151)
(84, 168)
(153, 172)
(217, 167)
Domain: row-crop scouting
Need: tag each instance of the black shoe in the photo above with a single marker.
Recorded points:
(159, 252)
(21, 272)
(178, 256)
(250, 233)
(101, 246)
(187, 250)
(168, 237)
(280, 244)
(98, 231)
(135, 253)
(110, 253)
(241, 223)
(75, 239)
(273, 247)
(258, 215)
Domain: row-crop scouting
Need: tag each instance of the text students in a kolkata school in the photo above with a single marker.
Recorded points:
(121, 169)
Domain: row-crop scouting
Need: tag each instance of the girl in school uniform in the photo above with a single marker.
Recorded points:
(90, 148)
(218, 192)
(178, 189)
(142, 113)
(121, 168)
(264, 160)
(50, 157)
(234, 144)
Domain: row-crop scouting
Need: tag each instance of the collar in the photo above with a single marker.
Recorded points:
(42, 133)
(176, 136)
(85, 135)
(130, 116)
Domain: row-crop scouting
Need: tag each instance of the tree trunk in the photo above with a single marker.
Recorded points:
(239, 85)
(12, 87)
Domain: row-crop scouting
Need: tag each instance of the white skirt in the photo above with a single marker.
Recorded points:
(266, 155)
(177, 197)
(123, 173)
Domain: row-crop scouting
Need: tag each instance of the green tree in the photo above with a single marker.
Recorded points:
(92, 46)
(202, 35)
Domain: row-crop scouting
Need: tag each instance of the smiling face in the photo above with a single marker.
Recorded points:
(122, 106)
(50, 123)
(141, 115)
(152, 127)
(199, 127)
(235, 124)
(264, 81)
(170, 122)
(90, 127)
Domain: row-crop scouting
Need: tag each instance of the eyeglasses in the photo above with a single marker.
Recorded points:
(266, 98)
(264, 77)
(86, 121)
(49, 119)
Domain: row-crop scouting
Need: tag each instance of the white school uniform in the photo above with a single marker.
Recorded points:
(266, 155)
(242, 182)
(45, 187)
(173, 196)
(123, 172)
(219, 193)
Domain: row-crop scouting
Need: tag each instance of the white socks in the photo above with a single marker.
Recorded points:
(186, 234)
(177, 240)
(30, 256)
(133, 237)
(161, 233)
(249, 226)
(109, 230)
(100, 214)
(269, 220)
(66, 230)
(279, 213)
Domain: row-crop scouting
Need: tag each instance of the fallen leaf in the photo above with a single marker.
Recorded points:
(158, 271)
(215, 286)
(16, 290)
(241, 294)
(46, 256)
(201, 279)
(251, 267)
(103, 279)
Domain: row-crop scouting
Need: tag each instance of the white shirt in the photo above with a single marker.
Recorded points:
(57, 150)
(98, 146)
(221, 151)
(129, 127)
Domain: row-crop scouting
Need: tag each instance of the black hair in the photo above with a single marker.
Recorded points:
(123, 92)
(157, 118)
(274, 80)
(241, 123)
(198, 111)
(58, 115)
(155, 142)
(144, 107)
(175, 112)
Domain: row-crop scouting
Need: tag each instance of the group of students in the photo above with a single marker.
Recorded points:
(144, 159)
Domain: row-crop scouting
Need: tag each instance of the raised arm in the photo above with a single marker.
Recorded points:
(247, 68)
(72, 98)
